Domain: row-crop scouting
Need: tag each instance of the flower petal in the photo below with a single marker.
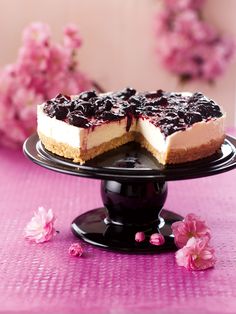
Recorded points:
(41, 226)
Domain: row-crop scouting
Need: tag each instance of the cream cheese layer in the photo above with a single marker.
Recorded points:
(198, 134)
(75, 137)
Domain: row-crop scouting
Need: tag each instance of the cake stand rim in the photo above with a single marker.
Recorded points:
(139, 174)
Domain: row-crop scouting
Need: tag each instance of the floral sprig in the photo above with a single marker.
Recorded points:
(155, 238)
(139, 236)
(41, 228)
(187, 45)
(191, 226)
(43, 69)
(75, 249)
(192, 236)
(197, 254)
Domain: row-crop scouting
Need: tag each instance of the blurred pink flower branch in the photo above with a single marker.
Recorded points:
(43, 69)
(188, 46)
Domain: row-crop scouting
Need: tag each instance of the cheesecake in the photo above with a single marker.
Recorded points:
(173, 127)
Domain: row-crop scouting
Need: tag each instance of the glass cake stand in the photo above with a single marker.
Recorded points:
(133, 190)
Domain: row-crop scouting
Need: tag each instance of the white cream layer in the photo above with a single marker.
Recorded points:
(200, 133)
(79, 137)
(58, 130)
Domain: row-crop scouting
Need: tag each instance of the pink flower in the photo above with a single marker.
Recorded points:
(139, 236)
(157, 239)
(41, 227)
(43, 69)
(189, 46)
(72, 38)
(196, 255)
(27, 113)
(180, 5)
(37, 33)
(191, 226)
(16, 134)
(75, 249)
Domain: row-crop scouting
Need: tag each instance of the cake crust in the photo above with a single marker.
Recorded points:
(77, 154)
(173, 156)
(176, 156)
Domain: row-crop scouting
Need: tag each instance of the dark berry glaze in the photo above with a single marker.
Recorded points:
(171, 112)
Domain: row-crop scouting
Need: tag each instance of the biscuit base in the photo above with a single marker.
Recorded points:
(177, 156)
(173, 156)
(79, 155)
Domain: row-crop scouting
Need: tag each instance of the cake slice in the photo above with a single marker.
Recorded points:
(174, 127)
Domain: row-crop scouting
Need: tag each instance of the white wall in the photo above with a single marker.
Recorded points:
(119, 42)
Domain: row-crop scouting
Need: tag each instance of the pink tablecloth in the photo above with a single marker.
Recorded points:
(45, 279)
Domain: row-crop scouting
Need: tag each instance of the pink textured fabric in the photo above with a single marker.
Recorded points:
(45, 279)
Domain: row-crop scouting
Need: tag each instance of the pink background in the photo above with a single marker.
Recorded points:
(118, 50)
(119, 43)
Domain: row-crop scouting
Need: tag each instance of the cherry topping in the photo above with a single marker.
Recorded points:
(135, 100)
(88, 95)
(58, 111)
(110, 116)
(169, 111)
(108, 104)
(77, 118)
(157, 94)
(126, 93)
(192, 117)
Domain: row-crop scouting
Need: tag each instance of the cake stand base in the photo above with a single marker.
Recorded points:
(133, 192)
(94, 228)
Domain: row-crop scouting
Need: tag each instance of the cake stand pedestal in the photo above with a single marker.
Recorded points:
(133, 190)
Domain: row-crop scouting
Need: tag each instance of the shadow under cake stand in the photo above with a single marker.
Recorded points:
(133, 190)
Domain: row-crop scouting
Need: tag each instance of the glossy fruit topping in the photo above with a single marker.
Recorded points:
(171, 112)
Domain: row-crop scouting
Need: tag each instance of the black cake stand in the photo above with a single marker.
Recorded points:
(133, 190)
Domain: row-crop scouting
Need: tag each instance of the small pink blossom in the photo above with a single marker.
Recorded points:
(191, 226)
(72, 38)
(37, 33)
(157, 239)
(75, 249)
(184, 4)
(41, 227)
(196, 255)
(139, 236)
